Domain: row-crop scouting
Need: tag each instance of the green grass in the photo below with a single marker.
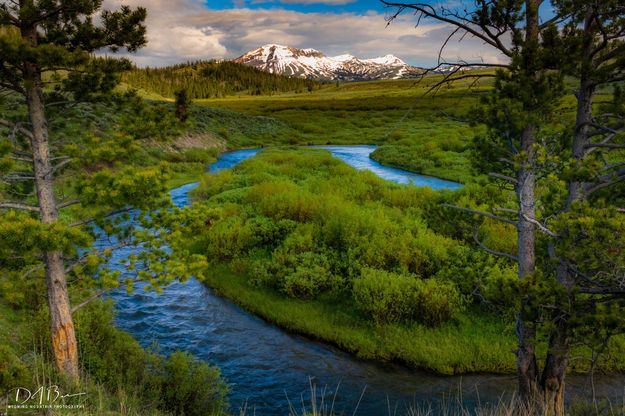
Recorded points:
(190, 174)
(477, 342)
(417, 132)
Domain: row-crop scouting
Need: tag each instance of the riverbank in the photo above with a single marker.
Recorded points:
(425, 135)
(117, 375)
(294, 233)
(476, 343)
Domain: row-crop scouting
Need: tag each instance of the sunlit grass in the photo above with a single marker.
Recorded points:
(477, 342)
(418, 132)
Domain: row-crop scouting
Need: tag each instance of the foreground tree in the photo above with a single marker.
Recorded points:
(56, 35)
(588, 263)
(47, 65)
(564, 286)
(523, 99)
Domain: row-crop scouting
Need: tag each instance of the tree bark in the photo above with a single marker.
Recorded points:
(527, 371)
(526, 331)
(556, 363)
(580, 137)
(64, 345)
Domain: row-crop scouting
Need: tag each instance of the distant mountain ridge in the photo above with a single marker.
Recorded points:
(312, 64)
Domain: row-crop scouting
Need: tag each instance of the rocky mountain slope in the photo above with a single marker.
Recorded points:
(312, 64)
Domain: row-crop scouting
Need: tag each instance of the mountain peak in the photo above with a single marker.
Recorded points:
(344, 57)
(310, 63)
(387, 60)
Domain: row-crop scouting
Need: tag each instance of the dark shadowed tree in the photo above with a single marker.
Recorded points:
(523, 98)
(587, 250)
(182, 104)
(570, 247)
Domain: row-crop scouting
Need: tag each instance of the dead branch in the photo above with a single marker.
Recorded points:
(480, 213)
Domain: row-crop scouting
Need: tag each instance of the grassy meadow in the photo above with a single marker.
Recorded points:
(427, 134)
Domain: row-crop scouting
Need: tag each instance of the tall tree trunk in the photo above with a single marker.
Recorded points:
(527, 371)
(526, 331)
(62, 327)
(556, 363)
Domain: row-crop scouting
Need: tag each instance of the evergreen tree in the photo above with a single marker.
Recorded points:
(47, 67)
(212, 79)
(182, 104)
(567, 292)
(588, 259)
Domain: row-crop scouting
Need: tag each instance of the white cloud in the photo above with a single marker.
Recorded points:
(170, 38)
(180, 30)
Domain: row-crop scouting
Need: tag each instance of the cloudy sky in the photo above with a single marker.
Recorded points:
(182, 30)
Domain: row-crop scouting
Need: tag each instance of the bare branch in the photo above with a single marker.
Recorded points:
(504, 177)
(540, 225)
(483, 214)
(31, 271)
(602, 290)
(591, 188)
(68, 203)
(89, 300)
(491, 251)
(510, 211)
(606, 145)
(11, 125)
(66, 161)
(18, 206)
(462, 23)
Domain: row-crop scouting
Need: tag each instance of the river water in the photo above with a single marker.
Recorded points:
(270, 370)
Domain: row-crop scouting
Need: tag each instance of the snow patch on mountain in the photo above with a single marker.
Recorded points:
(310, 63)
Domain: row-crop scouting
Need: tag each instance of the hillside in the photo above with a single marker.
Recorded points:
(210, 79)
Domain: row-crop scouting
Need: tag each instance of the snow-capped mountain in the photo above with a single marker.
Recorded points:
(310, 63)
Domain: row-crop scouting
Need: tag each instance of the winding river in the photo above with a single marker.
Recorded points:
(268, 369)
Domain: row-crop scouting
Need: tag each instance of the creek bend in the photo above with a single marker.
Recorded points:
(267, 368)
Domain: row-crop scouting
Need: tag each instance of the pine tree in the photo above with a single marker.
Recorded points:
(182, 104)
(570, 290)
(42, 38)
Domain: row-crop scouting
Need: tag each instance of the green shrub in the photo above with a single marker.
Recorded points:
(230, 238)
(299, 275)
(304, 223)
(13, 372)
(196, 154)
(180, 384)
(109, 355)
(391, 298)
(438, 301)
(310, 277)
(191, 387)
(213, 184)
(23, 290)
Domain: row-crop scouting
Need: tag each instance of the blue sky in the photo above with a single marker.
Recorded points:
(302, 6)
(183, 30)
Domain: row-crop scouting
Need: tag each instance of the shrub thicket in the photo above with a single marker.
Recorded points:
(305, 224)
(390, 297)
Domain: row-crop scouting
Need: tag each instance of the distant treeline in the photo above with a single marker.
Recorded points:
(209, 79)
